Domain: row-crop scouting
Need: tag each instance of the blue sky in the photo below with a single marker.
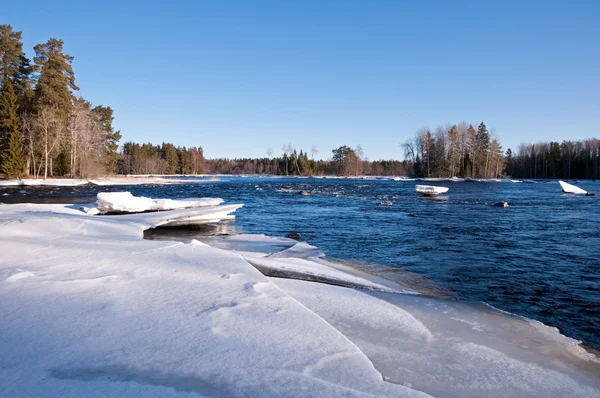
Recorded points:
(238, 77)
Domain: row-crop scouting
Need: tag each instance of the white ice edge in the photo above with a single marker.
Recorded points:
(91, 309)
(568, 188)
(431, 189)
(108, 202)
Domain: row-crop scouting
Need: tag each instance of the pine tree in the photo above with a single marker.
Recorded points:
(112, 137)
(10, 50)
(12, 158)
(56, 80)
(15, 65)
(169, 153)
(482, 146)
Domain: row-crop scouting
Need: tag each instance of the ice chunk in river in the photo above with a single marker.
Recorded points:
(125, 202)
(568, 188)
(431, 190)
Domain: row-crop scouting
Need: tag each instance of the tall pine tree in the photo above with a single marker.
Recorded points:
(56, 79)
(11, 49)
(13, 162)
(482, 145)
(112, 137)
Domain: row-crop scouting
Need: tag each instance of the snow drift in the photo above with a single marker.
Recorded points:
(89, 308)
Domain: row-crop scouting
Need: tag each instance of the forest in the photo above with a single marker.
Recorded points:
(47, 130)
(566, 160)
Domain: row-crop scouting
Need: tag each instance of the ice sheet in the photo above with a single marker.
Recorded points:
(447, 348)
(125, 202)
(91, 309)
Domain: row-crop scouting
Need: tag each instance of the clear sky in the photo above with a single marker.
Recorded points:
(238, 77)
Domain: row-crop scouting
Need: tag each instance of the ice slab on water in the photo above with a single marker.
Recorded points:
(298, 268)
(181, 217)
(249, 245)
(125, 202)
(568, 188)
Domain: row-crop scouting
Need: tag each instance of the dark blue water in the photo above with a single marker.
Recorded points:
(539, 258)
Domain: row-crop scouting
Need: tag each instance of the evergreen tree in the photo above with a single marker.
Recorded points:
(23, 82)
(169, 153)
(11, 49)
(112, 137)
(15, 65)
(482, 145)
(470, 156)
(56, 79)
(13, 162)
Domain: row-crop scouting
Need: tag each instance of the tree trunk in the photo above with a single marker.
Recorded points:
(46, 156)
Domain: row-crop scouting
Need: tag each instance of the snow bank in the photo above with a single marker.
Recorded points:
(125, 202)
(102, 312)
(107, 181)
(57, 182)
(91, 309)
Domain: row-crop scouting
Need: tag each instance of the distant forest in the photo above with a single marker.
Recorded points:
(46, 130)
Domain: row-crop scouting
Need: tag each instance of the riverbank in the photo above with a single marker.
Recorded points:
(91, 308)
(105, 181)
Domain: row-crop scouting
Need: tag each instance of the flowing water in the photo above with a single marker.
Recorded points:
(538, 258)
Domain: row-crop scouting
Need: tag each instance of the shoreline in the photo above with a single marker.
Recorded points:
(125, 315)
(165, 179)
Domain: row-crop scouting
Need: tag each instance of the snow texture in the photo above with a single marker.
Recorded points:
(91, 309)
(430, 189)
(568, 188)
(107, 181)
(125, 202)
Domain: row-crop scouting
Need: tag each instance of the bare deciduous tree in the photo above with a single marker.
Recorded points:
(49, 130)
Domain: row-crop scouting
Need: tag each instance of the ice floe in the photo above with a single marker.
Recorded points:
(125, 202)
(569, 188)
(430, 190)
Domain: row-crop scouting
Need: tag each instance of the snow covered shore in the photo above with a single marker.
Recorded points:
(89, 308)
(107, 181)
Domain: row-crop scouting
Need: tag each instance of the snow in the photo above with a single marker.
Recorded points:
(106, 181)
(108, 313)
(430, 190)
(127, 203)
(568, 188)
(66, 182)
(91, 309)
(446, 348)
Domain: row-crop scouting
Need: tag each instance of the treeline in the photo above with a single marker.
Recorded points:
(455, 150)
(345, 161)
(569, 159)
(160, 159)
(45, 130)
